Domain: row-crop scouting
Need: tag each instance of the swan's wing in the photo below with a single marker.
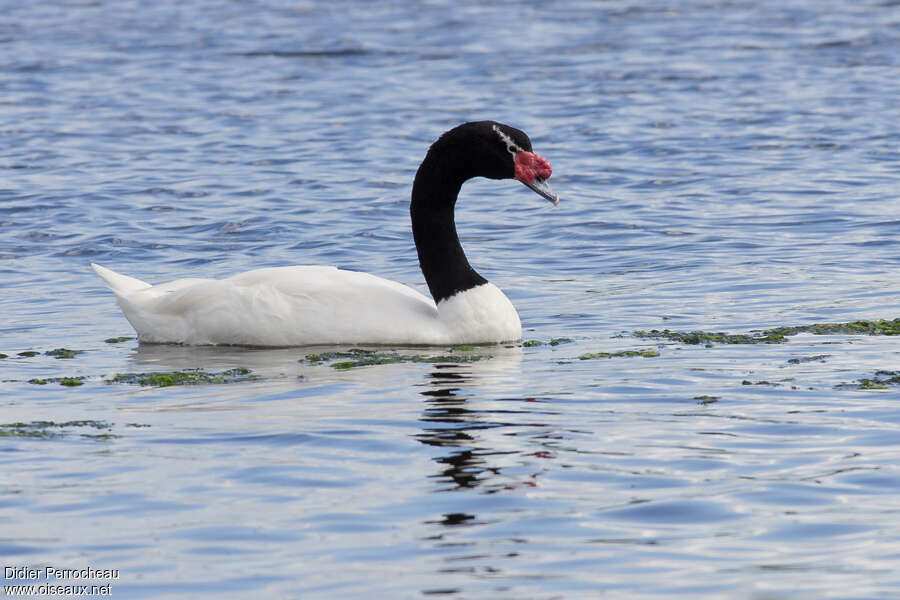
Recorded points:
(307, 281)
(283, 306)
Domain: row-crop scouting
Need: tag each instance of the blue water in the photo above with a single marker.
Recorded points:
(722, 166)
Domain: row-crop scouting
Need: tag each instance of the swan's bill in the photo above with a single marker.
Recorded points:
(541, 186)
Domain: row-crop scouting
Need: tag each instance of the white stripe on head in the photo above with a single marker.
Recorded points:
(511, 146)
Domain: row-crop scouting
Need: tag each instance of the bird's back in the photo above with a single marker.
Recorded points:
(278, 306)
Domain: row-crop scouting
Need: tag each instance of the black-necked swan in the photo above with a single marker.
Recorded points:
(295, 306)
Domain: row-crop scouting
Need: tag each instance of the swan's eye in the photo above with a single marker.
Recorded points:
(511, 149)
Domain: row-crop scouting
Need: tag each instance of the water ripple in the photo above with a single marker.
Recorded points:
(723, 167)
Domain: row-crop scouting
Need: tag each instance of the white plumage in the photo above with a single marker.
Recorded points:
(293, 306)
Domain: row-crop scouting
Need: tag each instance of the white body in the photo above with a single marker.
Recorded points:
(295, 306)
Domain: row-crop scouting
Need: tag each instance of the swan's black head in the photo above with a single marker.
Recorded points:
(493, 150)
(481, 149)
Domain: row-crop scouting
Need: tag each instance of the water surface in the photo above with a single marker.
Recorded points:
(722, 167)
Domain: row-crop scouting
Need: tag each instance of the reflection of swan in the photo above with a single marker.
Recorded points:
(469, 428)
(263, 361)
(293, 306)
(492, 363)
(447, 422)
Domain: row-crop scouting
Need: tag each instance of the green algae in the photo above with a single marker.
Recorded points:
(706, 399)
(185, 377)
(870, 384)
(3, 355)
(645, 353)
(775, 335)
(66, 381)
(806, 359)
(365, 358)
(552, 342)
(709, 338)
(117, 340)
(28, 353)
(100, 437)
(864, 327)
(327, 356)
(63, 353)
(403, 358)
(365, 362)
(881, 381)
(748, 382)
(50, 429)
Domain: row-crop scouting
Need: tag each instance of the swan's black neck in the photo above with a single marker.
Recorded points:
(441, 257)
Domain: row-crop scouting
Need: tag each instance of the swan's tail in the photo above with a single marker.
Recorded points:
(122, 285)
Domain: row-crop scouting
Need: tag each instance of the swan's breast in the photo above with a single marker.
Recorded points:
(481, 314)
